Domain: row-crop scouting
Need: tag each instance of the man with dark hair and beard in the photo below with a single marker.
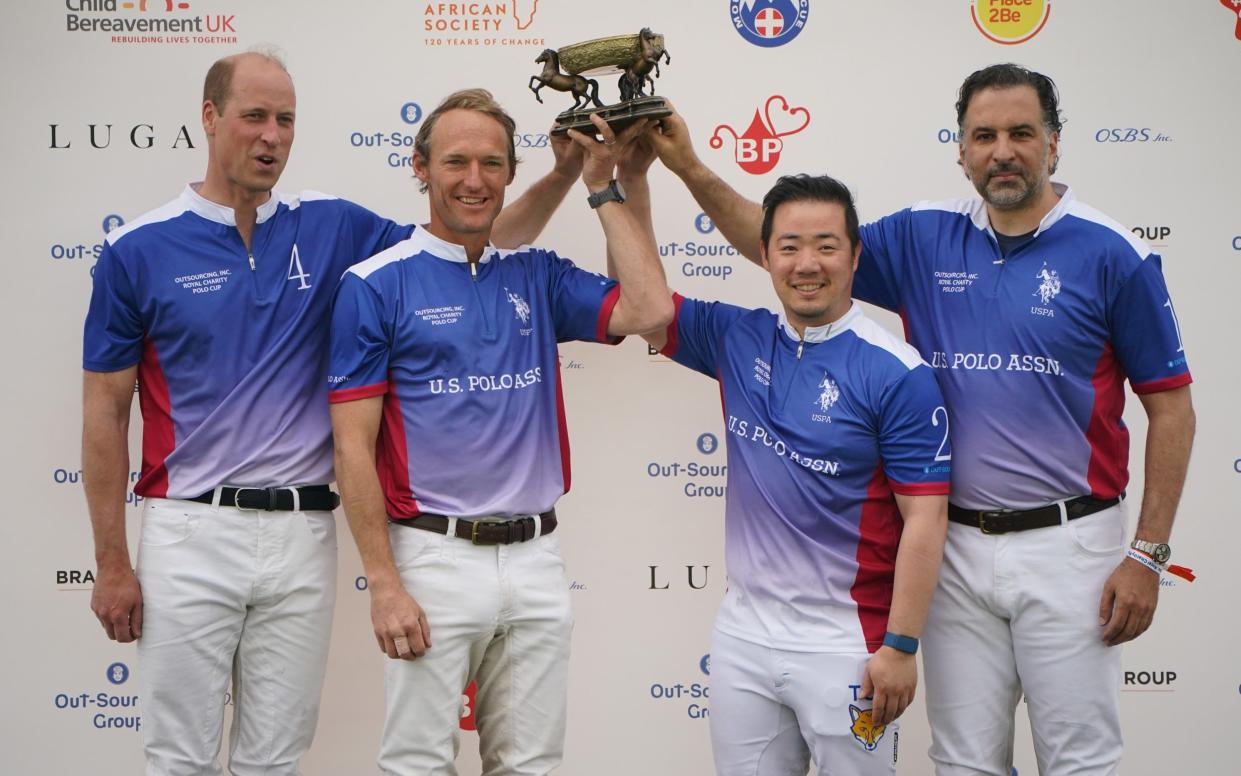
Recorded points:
(1033, 308)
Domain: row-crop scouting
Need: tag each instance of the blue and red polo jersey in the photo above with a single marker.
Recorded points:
(231, 346)
(822, 432)
(1031, 349)
(465, 357)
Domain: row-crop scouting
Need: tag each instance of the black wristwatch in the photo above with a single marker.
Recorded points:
(613, 193)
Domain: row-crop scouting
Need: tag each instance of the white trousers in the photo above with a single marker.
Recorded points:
(1018, 613)
(501, 616)
(772, 709)
(230, 592)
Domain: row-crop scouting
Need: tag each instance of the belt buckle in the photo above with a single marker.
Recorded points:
(982, 520)
(271, 498)
(483, 521)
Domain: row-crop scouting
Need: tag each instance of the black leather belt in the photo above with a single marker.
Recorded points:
(310, 498)
(488, 530)
(998, 521)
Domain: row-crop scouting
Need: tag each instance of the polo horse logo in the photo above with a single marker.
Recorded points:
(1050, 285)
(519, 306)
(830, 394)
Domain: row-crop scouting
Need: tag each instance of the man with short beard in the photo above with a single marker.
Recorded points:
(1034, 308)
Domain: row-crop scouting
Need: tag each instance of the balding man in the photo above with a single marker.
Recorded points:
(217, 304)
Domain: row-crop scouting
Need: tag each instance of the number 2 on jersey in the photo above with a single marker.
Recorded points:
(941, 455)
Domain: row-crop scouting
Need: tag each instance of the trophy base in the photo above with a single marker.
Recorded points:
(618, 116)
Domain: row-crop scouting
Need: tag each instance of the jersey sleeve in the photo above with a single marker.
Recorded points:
(881, 268)
(913, 435)
(582, 301)
(113, 334)
(373, 233)
(696, 333)
(1146, 333)
(358, 365)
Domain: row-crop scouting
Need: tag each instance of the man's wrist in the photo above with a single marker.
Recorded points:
(1145, 560)
(901, 643)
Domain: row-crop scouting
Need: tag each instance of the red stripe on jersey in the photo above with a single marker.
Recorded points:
(1108, 471)
(879, 535)
(920, 488)
(605, 316)
(159, 436)
(562, 427)
(670, 343)
(392, 459)
(1166, 384)
(360, 392)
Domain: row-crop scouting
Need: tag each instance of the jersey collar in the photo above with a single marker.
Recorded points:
(213, 211)
(422, 240)
(827, 331)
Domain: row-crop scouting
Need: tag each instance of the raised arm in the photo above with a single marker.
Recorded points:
(523, 220)
(645, 303)
(117, 597)
(1132, 592)
(738, 219)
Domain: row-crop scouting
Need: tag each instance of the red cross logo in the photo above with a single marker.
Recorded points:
(769, 22)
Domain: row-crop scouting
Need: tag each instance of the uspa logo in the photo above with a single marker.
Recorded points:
(757, 149)
(1235, 7)
(1010, 21)
(163, 23)
(480, 24)
(769, 23)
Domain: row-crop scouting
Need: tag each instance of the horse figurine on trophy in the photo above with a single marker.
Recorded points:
(634, 56)
(584, 90)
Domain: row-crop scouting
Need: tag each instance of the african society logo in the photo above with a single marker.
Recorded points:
(1235, 7)
(459, 21)
(769, 23)
(1010, 21)
(757, 150)
(1049, 286)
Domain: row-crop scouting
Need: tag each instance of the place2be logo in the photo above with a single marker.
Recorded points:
(1010, 22)
(757, 149)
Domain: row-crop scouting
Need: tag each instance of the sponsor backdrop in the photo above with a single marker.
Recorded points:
(101, 122)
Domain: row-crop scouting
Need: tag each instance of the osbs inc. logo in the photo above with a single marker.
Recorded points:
(1010, 22)
(769, 23)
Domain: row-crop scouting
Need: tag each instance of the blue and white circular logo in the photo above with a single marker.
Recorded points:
(769, 23)
(704, 224)
(118, 673)
(705, 664)
(707, 443)
(111, 222)
(411, 113)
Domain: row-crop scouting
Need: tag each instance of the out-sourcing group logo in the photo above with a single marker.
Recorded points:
(757, 149)
(769, 23)
(1010, 21)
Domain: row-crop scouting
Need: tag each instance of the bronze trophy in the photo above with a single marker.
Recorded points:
(633, 56)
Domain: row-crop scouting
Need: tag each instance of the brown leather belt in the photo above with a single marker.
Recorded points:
(998, 521)
(485, 531)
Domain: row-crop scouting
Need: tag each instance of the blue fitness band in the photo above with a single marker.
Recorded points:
(907, 644)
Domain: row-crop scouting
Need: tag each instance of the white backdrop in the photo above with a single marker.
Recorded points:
(1150, 95)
